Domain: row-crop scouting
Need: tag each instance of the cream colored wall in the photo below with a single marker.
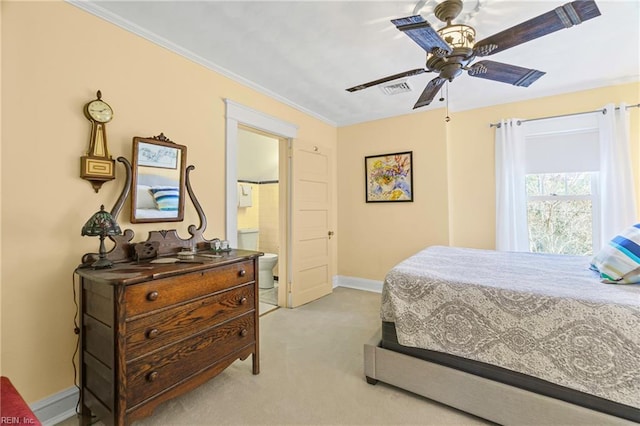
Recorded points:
(54, 59)
(454, 178)
(1, 183)
(376, 236)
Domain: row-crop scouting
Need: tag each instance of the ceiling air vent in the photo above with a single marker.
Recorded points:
(396, 87)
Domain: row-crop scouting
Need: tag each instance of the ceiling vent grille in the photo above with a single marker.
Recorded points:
(394, 88)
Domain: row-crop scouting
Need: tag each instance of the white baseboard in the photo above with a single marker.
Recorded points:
(56, 408)
(357, 283)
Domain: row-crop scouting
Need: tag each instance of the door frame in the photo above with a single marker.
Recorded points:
(238, 115)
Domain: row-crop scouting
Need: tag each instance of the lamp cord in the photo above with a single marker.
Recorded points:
(76, 330)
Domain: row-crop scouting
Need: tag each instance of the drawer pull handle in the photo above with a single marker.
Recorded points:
(244, 332)
(243, 301)
(152, 296)
(242, 273)
(153, 333)
(152, 376)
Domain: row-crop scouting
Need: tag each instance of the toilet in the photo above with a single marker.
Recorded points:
(248, 240)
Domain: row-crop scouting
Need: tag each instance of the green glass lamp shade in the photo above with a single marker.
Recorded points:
(101, 224)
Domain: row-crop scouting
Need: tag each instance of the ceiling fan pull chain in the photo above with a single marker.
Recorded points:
(447, 118)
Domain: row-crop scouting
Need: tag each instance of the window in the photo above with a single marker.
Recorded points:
(562, 212)
(558, 177)
(561, 179)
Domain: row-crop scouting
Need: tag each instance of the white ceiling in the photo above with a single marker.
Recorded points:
(306, 53)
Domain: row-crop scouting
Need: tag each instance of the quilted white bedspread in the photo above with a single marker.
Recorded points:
(544, 315)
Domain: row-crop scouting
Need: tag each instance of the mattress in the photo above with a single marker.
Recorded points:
(544, 316)
(156, 214)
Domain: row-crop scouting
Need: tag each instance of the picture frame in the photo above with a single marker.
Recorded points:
(153, 155)
(389, 177)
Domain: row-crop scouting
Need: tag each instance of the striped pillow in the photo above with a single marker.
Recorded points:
(619, 261)
(166, 197)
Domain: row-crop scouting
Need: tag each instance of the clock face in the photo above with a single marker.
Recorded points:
(100, 111)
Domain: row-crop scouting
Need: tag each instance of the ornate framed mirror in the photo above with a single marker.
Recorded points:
(158, 185)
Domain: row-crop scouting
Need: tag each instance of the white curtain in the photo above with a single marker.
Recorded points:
(617, 194)
(511, 205)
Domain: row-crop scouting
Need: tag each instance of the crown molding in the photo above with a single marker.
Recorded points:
(95, 9)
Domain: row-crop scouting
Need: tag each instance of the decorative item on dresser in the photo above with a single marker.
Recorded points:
(151, 330)
(101, 224)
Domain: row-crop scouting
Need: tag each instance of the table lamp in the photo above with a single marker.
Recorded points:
(101, 224)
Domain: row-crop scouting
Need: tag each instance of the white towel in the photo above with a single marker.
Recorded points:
(244, 196)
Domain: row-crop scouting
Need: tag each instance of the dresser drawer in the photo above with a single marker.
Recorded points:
(156, 330)
(152, 295)
(168, 366)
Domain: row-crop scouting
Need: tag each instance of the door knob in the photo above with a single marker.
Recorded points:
(330, 234)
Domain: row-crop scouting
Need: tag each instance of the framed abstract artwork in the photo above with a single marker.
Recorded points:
(152, 155)
(389, 177)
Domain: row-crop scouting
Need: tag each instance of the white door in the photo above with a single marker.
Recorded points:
(310, 220)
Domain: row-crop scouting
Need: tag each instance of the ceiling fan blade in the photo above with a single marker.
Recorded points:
(505, 73)
(560, 18)
(385, 79)
(422, 33)
(429, 92)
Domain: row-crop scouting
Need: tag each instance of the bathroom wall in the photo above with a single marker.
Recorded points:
(263, 214)
(248, 217)
(269, 217)
(258, 166)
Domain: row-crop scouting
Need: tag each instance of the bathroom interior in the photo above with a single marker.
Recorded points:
(258, 208)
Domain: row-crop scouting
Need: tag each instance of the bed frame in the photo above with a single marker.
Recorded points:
(491, 400)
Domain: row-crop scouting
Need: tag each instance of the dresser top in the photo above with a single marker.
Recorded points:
(125, 273)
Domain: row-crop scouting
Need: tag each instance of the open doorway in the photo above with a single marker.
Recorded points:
(239, 119)
(258, 222)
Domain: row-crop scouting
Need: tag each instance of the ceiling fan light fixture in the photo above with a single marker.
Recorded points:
(451, 49)
(458, 35)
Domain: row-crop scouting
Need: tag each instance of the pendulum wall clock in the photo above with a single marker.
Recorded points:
(97, 166)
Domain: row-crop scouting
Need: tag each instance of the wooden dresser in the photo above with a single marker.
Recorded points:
(150, 332)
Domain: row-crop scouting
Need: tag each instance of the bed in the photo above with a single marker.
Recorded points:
(510, 337)
(157, 197)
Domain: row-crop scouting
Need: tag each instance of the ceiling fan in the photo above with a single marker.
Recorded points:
(451, 49)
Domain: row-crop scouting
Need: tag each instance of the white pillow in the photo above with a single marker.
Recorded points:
(144, 198)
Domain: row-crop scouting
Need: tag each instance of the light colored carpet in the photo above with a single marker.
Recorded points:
(311, 374)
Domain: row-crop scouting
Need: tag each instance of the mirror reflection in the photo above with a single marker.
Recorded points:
(158, 180)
